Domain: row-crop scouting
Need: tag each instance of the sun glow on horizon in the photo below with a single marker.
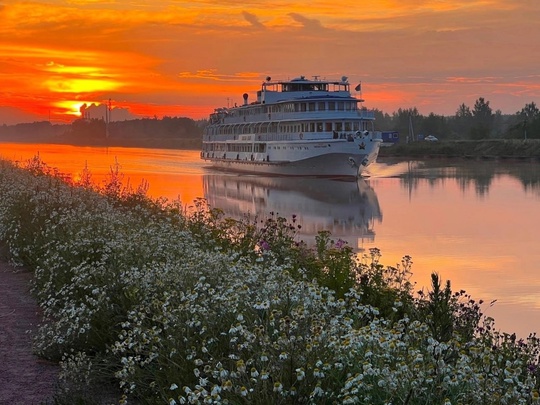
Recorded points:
(172, 57)
(72, 85)
(70, 107)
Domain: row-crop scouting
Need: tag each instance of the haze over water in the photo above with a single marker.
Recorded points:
(475, 223)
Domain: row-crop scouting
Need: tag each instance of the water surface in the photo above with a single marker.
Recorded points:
(476, 223)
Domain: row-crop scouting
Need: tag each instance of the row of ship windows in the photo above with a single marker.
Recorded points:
(289, 128)
(258, 148)
(313, 106)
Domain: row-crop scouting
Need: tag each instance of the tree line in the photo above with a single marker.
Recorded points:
(476, 123)
(175, 132)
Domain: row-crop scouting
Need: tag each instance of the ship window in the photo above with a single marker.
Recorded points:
(303, 106)
(339, 126)
(328, 126)
(321, 106)
(331, 105)
(341, 106)
(311, 106)
(319, 126)
(311, 127)
(348, 126)
(296, 107)
(356, 126)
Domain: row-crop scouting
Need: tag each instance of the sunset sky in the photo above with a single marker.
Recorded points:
(184, 58)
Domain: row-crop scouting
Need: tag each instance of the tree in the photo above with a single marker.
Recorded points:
(434, 124)
(383, 120)
(482, 119)
(461, 121)
(530, 112)
(403, 118)
(529, 121)
(463, 112)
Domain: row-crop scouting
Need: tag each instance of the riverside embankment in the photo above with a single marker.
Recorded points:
(172, 307)
(482, 149)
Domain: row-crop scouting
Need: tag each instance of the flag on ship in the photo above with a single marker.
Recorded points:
(358, 87)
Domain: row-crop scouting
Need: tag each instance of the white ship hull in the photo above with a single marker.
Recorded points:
(327, 165)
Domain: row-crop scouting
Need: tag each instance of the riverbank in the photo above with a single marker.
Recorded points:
(483, 149)
(145, 297)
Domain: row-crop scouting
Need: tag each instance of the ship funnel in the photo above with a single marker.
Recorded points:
(245, 98)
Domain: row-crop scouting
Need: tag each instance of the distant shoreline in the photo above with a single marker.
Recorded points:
(150, 143)
(508, 149)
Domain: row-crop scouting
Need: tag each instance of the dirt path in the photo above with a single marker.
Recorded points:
(24, 378)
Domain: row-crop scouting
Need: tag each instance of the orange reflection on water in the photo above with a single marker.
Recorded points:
(162, 171)
(474, 226)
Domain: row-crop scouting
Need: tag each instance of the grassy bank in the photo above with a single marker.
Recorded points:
(177, 306)
(486, 149)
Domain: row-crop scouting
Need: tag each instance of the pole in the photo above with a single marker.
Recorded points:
(107, 118)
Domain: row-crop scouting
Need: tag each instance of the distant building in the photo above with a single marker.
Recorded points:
(101, 111)
(389, 138)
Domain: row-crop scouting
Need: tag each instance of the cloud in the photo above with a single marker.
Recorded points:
(253, 20)
(212, 74)
(308, 23)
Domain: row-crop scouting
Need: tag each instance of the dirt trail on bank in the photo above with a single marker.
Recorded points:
(24, 377)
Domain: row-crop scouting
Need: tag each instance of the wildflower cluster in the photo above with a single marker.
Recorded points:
(180, 307)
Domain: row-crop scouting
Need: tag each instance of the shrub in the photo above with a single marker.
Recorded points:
(178, 306)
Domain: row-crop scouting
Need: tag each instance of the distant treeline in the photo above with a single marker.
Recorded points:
(31, 132)
(168, 132)
(477, 123)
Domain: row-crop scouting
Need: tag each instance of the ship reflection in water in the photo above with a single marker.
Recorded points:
(348, 209)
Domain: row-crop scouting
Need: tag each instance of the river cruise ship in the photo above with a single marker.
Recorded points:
(294, 127)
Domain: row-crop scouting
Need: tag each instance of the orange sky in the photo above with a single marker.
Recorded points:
(180, 58)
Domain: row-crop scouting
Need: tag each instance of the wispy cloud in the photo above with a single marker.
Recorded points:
(308, 23)
(213, 75)
(253, 20)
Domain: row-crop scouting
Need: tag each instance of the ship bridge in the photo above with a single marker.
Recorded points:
(273, 92)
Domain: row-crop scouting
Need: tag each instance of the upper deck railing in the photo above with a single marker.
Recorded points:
(229, 117)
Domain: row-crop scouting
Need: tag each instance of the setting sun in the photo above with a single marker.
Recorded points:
(185, 58)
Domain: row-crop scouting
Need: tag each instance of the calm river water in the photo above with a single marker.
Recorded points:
(476, 223)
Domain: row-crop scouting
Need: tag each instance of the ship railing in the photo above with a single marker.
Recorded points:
(250, 138)
(301, 115)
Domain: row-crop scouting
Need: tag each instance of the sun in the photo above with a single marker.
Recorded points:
(70, 107)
